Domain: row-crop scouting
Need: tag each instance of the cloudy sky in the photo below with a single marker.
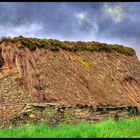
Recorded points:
(108, 22)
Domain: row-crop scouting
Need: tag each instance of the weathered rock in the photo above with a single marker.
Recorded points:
(111, 77)
(52, 117)
(65, 78)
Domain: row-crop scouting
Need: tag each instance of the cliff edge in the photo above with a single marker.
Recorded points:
(69, 73)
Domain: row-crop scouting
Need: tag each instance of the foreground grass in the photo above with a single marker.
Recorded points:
(105, 129)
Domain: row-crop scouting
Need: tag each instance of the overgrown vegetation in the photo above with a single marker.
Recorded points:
(83, 62)
(105, 129)
(55, 45)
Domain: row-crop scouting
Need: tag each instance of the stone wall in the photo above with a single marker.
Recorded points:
(53, 114)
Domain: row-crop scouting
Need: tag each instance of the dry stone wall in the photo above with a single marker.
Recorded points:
(53, 114)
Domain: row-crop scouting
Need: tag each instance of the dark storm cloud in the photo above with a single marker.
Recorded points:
(114, 22)
(55, 18)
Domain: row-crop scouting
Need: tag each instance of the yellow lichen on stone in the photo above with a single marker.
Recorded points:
(42, 120)
(32, 116)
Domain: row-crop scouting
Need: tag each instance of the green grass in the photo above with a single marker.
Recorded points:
(105, 129)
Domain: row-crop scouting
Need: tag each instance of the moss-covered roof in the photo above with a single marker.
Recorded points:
(55, 45)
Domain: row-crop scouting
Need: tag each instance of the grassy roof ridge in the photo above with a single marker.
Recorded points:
(55, 45)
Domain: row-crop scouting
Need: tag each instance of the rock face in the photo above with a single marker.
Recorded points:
(53, 114)
(24, 61)
(66, 77)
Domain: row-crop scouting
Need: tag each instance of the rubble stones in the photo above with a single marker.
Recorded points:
(55, 114)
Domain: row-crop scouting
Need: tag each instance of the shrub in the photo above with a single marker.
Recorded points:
(55, 45)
